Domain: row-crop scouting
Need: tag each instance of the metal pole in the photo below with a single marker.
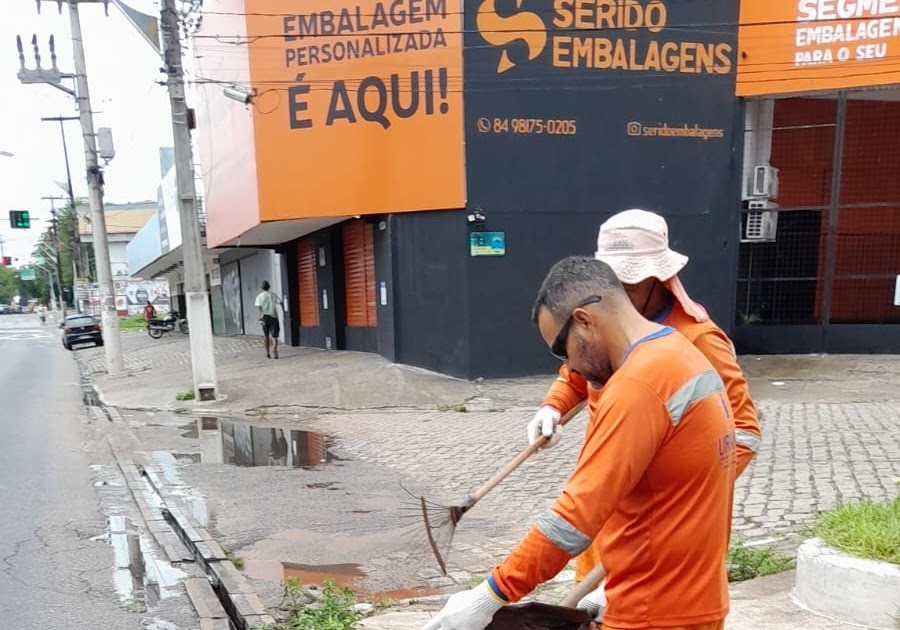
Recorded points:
(834, 210)
(55, 236)
(81, 267)
(52, 296)
(203, 360)
(108, 316)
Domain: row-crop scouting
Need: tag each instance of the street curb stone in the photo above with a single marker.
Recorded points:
(183, 542)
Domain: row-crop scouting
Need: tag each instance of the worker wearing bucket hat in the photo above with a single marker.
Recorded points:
(635, 244)
(653, 481)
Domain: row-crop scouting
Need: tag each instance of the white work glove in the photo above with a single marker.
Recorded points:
(469, 610)
(594, 603)
(546, 423)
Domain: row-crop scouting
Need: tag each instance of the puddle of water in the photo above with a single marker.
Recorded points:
(168, 465)
(240, 444)
(348, 575)
(275, 571)
(139, 575)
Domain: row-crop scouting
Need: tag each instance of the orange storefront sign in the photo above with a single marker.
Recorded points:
(792, 46)
(359, 106)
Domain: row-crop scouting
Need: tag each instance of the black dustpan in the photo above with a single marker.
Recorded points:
(540, 616)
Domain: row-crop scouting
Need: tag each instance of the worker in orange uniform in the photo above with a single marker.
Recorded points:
(654, 481)
(635, 243)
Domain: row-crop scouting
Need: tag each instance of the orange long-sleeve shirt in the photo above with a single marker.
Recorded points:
(569, 389)
(653, 486)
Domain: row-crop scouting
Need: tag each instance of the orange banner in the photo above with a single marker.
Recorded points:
(359, 106)
(810, 45)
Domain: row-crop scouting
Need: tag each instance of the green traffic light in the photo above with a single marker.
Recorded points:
(20, 219)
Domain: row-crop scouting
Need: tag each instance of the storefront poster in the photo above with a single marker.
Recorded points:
(365, 102)
(599, 106)
(815, 45)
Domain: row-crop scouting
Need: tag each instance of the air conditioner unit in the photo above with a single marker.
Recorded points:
(765, 182)
(760, 223)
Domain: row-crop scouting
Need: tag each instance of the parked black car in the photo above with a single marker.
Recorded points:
(80, 329)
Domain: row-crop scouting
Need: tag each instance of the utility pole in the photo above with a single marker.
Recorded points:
(80, 260)
(74, 245)
(52, 289)
(108, 316)
(55, 236)
(53, 77)
(203, 361)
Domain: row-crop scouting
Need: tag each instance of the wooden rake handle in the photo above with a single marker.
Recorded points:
(585, 586)
(504, 472)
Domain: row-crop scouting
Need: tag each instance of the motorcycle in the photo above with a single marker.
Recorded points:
(158, 326)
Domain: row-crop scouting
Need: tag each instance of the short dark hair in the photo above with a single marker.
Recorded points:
(265, 285)
(571, 281)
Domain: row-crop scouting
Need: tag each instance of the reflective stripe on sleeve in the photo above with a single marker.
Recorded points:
(748, 439)
(562, 534)
(703, 385)
(561, 379)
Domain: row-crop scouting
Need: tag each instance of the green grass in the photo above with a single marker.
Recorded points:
(460, 408)
(135, 322)
(334, 611)
(867, 530)
(188, 395)
(331, 610)
(746, 563)
(237, 561)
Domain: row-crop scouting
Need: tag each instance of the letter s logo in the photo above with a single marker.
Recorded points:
(500, 31)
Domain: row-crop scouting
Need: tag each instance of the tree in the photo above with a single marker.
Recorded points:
(9, 284)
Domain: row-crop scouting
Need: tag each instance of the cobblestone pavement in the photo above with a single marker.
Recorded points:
(140, 352)
(814, 454)
(813, 457)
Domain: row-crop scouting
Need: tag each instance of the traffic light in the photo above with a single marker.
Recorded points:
(7, 261)
(20, 219)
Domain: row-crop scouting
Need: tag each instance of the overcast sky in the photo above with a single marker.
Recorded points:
(122, 73)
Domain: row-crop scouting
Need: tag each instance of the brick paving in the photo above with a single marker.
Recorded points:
(813, 457)
(140, 352)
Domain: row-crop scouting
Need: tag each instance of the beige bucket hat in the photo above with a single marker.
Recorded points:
(635, 244)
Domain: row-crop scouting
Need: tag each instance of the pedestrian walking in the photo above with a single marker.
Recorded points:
(267, 311)
(149, 311)
(654, 481)
(635, 244)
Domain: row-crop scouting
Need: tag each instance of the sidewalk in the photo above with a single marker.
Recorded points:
(395, 433)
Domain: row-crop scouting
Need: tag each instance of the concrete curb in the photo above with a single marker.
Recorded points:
(846, 588)
(224, 599)
(235, 593)
(200, 592)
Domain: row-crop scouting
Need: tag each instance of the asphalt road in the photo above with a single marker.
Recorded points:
(56, 568)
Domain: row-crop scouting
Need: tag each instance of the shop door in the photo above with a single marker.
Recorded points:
(825, 277)
(307, 289)
(360, 318)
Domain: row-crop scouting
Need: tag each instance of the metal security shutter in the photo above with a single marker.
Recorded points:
(359, 274)
(308, 289)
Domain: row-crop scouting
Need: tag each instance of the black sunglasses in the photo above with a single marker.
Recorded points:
(558, 349)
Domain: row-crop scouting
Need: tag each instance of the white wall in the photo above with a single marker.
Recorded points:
(118, 258)
(264, 265)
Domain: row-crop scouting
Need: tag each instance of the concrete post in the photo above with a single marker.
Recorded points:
(110, 320)
(203, 361)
